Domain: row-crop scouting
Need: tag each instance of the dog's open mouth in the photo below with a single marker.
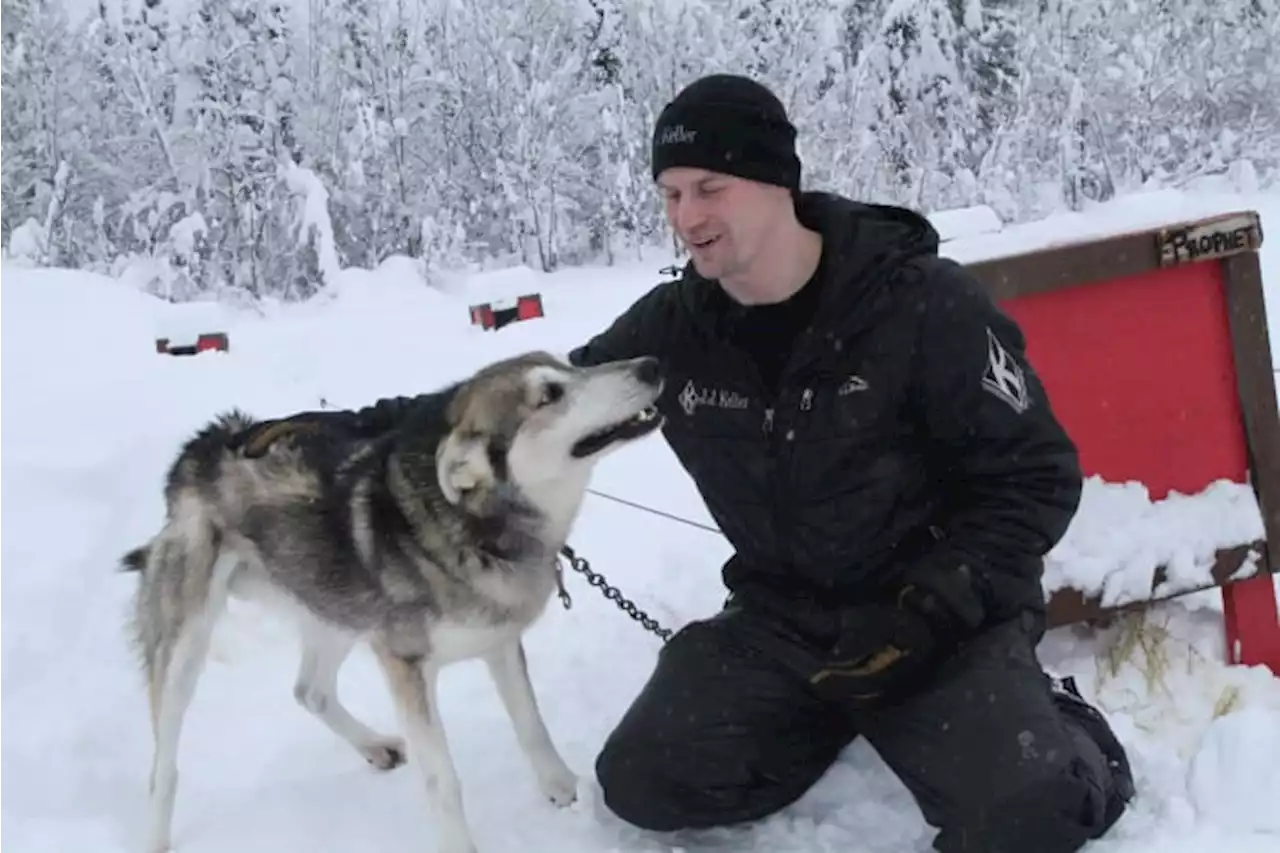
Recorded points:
(642, 424)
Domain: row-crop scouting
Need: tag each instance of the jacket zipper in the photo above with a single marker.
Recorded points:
(780, 435)
(773, 442)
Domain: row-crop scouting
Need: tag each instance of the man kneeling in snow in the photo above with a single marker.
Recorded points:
(863, 425)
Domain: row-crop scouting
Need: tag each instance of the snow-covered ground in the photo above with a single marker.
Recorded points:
(92, 415)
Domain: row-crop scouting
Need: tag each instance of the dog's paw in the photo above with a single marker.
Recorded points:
(460, 846)
(158, 844)
(385, 754)
(455, 837)
(560, 786)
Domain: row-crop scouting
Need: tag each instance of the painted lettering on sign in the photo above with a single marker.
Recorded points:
(1230, 235)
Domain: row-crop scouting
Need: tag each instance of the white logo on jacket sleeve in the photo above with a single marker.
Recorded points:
(1004, 377)
(852, 385)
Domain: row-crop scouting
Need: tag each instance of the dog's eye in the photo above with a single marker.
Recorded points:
(552, 392)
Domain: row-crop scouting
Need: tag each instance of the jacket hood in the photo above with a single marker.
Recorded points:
(862, 245)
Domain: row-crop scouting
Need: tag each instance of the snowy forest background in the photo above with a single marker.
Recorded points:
(253, 147)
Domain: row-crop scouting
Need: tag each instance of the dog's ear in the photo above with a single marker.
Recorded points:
(462, 464)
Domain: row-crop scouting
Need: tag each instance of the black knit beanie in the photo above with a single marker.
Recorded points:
(729, 124)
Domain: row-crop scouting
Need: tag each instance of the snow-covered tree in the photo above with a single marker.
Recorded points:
(43, 127)
(256, 146)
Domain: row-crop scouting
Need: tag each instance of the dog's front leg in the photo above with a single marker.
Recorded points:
(510, 671)
(413, 690)
(316, 689)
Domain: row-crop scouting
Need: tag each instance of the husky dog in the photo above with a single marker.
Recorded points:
(435, 542)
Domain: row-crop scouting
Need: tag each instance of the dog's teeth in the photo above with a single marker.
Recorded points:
(647, 415)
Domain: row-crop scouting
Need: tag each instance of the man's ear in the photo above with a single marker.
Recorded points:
(462, 464)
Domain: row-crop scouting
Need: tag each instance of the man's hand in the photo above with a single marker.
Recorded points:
(889, 649)
(257, 439)
(385, 415)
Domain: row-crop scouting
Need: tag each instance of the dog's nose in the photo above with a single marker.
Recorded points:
(648, 370)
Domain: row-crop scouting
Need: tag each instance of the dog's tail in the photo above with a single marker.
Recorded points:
(135, 560)
(179, 578)
(200, 454)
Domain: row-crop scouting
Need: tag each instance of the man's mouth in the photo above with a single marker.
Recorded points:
(704, 243)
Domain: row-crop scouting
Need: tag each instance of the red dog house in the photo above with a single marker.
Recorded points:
(1154, 349)
(216, 341)
(488, 315)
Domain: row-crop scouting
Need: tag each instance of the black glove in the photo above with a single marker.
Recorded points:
(370, 422)
(257, 439)
(888, 649)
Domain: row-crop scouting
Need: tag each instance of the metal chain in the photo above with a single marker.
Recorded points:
(580, 565)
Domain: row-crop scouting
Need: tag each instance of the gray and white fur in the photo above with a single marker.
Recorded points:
(435, 542)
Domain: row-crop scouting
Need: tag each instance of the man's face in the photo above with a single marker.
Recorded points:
(723, 220)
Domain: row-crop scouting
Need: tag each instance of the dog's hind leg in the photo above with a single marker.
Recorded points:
(413, 690)
(184, 592)
(316, 689)
(510, 671)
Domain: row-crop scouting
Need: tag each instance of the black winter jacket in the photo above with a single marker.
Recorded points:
(907, 439)
(908, 435)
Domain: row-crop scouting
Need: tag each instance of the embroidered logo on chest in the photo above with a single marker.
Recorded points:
(718, 398)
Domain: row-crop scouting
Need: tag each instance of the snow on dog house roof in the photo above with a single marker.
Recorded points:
(971, 237)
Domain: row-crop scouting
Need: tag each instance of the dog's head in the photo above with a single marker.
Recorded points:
(537, 425)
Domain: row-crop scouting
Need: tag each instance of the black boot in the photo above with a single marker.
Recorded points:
(1068, 698)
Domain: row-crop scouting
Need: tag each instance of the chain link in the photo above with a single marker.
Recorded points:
(581, 566)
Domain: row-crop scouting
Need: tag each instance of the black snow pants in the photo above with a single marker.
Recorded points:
(726, 731)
